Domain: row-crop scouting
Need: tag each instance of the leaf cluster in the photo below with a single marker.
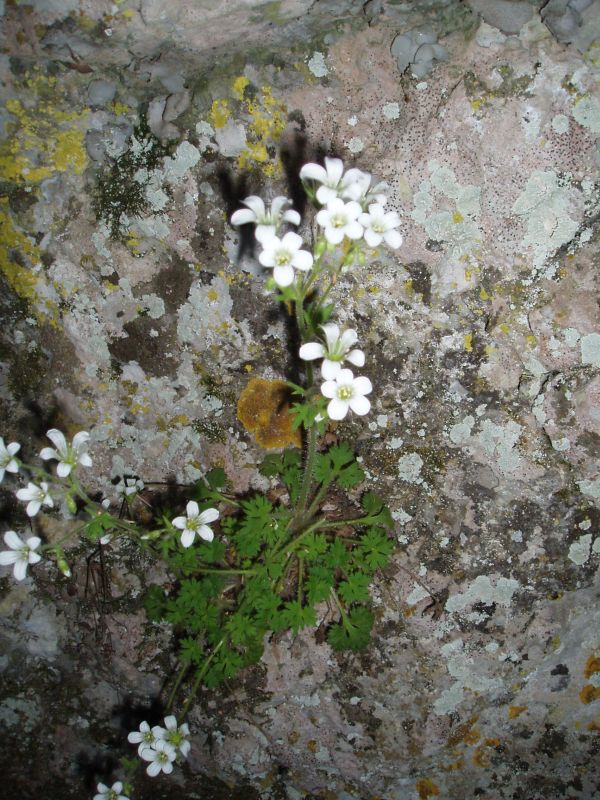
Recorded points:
(269, 568)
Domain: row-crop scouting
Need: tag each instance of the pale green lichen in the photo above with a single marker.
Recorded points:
(590, 349)
(482, 590)
(409, 468)
(317, 65)
(461, 432)
(579, 551)
(499, 441)
(459, 228)
(545, 204)
(586, 111)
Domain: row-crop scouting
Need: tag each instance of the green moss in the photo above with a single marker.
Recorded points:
(117, 193)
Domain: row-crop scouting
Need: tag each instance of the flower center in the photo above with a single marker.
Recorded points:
(162, 757)
(345, 393)
(338, 221)
(112, 795)
(148, 737)
(378, 227)
(282, 258)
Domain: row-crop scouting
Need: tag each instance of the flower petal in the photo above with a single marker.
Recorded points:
(20, 569)
(360, 405)
(267, 256)
(192, 509)
(334, 235)
(13, 540)
(35, 558)
(356, 357)
(13, 448)
(256, 204)
(63, 469)
(171, 723)
(243, 216)
(33, 542)
(85, 460)
(204, 532)
(32, 508)
(263, 233)
(393, 239)
(313, 172)
(80, 439)
(208, 515)
(283, 275)
(372, 238)
(291, 241)
(58, 439)
(153, 769)
(184, 748)
(329, 388)
(47, 453)
(329, 369)
(311, 350)
(179, 522)
(135, 737)
(354, 230)
(302, 260)
(291, 216)
(335, 170)
(348, 338)
(345, 377)
(187, 538)
(363, 385)
(337, 409)
(9, 557)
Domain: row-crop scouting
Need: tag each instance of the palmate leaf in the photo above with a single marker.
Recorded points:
(352, 633)
(356, 588)
(226, 665)
(241, 629)
(319, 584)
(313, 546)
(374, 549)
(155, 603)
(376, 509)
(339, 464)
(296, 616)
(337, 555)
(190, 651)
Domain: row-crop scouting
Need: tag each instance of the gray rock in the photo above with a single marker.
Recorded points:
(507, 16)
(101, 92)
(418, 48)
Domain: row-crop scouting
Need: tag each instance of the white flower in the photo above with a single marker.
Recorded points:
(7, 461)
(331, 177)
(284, 255)
(128, 486)
(337, 350)
(361, 188)
(67, 455)
(145, 737)
(345, 391)
(267, 221)
(340, 219)
(379, 226)
(114, 793)
(175, 736)
(161, 757)
(196, 523)
(21, 553)
(35, 497)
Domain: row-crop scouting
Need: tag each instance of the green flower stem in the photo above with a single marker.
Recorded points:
(340, 608)
(219, 571)
(358, 521)
(320, 495)
(300, 577)
(215, 495)
(200, 676)
(291, 545)
(180, 677)
(309, 464)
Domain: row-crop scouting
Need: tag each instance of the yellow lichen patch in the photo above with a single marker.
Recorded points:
(238, 87)
(483, 295)
(515, 711)
(592, 665)
(17, 251)
(589, 694)
(455, 765)
(268, 117)
(219, 113)
(312, 746)
(264, 410)
(426, 788)
(457, 217)
(593, 726)
(468, 342)
(42, 140)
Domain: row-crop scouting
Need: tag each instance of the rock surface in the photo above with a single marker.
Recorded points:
(130, 310)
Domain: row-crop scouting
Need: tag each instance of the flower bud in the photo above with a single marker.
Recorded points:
(320, 247)
(71, 504)
(62, 564)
